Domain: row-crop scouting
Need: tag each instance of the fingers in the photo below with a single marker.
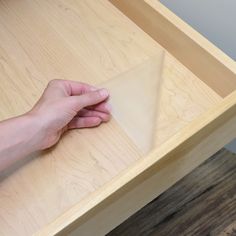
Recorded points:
(91, 113)
(84, 122)
(78, 88)
(88, 99)
(102, 107)
(68, 87)
(61, 88)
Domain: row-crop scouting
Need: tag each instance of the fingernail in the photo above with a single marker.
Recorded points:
(108, 106)
(104, 93)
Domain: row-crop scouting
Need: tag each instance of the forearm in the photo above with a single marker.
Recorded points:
(64, 105)
(19, 137)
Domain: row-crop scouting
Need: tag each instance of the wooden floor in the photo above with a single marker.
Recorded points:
(202, 203)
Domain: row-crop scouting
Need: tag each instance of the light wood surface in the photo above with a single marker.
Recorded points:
(77, 40)
(159, 97)
(140, 183)
(136, 94)
(89, 41)
(204, 59)
(146, 188)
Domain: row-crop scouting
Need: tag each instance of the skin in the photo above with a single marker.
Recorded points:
(64, 105)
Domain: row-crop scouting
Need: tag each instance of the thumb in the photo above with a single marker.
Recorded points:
(88, 99)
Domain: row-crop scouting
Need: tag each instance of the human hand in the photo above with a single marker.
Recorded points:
(67, 105)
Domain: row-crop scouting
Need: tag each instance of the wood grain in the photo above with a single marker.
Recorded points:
(144, 186)
(84, 47)
(202, 203)
(162, 95)
(200, 56)
(181, 98)
(136, 93)
(94, 42)
(38, 192)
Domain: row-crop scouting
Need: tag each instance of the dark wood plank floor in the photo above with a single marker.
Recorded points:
(202, 203)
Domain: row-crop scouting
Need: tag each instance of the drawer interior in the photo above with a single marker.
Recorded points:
(158, 97)
(155, 93)
(206, 61)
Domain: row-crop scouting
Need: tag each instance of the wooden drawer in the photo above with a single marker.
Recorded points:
(173, 94)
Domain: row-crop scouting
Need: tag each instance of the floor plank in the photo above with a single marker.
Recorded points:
(202, 203)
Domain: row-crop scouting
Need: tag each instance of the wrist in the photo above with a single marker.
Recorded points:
(20, 136)
(35, 131)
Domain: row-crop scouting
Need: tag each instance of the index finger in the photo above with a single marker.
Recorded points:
(88, 99)
(78, 88)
